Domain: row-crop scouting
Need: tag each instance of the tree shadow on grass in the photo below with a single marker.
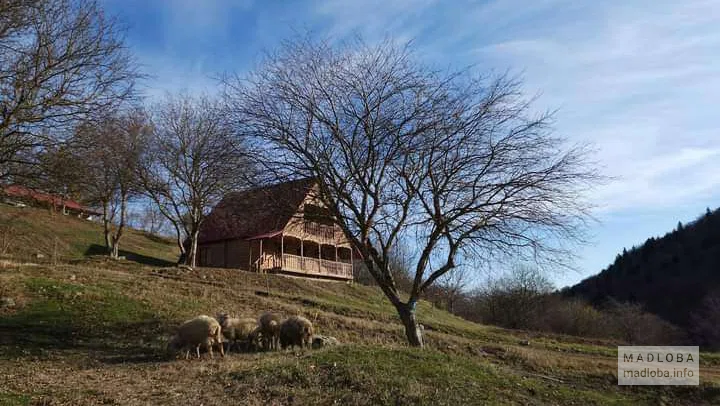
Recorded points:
(96, 249)
(41, 335)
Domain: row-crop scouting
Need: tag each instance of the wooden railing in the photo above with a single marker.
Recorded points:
(315, 266)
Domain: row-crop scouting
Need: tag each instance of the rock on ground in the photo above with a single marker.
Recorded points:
(320, 341)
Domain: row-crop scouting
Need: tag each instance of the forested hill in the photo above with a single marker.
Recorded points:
(670, 276)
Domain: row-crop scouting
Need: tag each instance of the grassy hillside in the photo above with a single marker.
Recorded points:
(27, 232)
(94, 332)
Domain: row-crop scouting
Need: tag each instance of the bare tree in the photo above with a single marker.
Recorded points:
(513, 299)
(454, 163)
(151, 219)
(59, 173)
(110, 149)
(400, 264)
(451, 287)
(60, 61)
(194, 160)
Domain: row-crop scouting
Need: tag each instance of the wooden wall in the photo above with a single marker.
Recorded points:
(226, 254)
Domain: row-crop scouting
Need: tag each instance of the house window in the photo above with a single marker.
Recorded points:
(318, 214)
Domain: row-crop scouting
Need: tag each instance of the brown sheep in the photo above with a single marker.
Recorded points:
(296, 330)
(269, 324)
(200, 331)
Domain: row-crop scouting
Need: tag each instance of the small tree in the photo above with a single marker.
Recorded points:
(455, 164)
(513, 300)
(194, 159)
(451, 288)
(110, 150)
(635, 326)
(152, 220)
(61, 61)
(59, 173)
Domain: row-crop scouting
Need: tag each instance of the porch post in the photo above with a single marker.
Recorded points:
(319, 257)
(302, 255)
(282, 250)
(260, 261)
(351, 261)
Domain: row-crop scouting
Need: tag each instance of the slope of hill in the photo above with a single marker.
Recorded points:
(669, 276)
(32, 234)
(94, 332)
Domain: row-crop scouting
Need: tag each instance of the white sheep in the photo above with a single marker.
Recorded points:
(296, 330)
(236, 330)
(269, 324)
(200, 331)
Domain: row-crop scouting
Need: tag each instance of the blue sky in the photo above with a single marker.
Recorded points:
(638, 79)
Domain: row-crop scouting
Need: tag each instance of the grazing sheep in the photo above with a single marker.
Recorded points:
(296, 330)
(236, 331)
(269, 324)
(220, 317)
(200, 331)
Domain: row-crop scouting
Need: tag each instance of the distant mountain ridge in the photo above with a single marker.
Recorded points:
(670, 276)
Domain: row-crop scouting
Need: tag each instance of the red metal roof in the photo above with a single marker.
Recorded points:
(24, 192)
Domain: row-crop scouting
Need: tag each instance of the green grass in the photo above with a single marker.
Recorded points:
(13, 399)
(63, 315)
(87, 306)
(366, 375)
(37, 232)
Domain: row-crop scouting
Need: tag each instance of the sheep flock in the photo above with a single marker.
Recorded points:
(267, 332)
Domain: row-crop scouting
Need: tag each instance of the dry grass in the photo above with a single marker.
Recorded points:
(83, 334)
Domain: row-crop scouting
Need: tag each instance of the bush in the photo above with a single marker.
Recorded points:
(572, 317)
(705, 322)
(635, 326)
(524, 300)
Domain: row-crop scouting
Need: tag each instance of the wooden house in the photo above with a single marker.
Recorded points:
(281, 228)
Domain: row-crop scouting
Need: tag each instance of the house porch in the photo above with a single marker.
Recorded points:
(289, 254)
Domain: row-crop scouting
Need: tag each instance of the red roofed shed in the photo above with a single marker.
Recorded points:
(34, 197)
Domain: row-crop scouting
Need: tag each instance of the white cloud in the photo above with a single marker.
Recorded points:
(374, 19)
(170, 75)
(197, 19)
(644, 85)
(663, 180)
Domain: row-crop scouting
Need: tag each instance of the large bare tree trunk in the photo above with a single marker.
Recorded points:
(115, 252)
(181, 246)
(121, 227)
(191, 259)
(409, 321)
(115, 237)
(106, 228)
